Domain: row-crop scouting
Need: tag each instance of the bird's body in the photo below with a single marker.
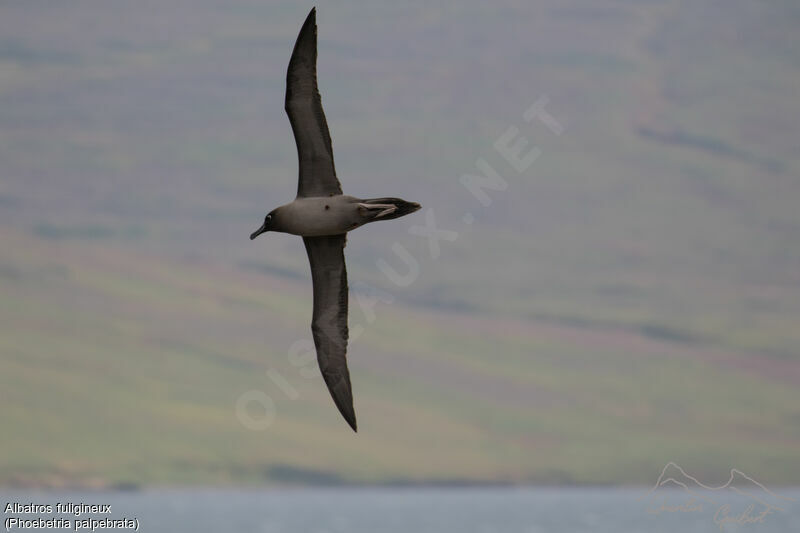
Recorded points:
(318, 216)
(322, 215)
(333, 215)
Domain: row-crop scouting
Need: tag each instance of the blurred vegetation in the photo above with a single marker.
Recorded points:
(632, 299)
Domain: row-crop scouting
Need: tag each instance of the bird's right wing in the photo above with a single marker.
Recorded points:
(329, 322)
(304, 107)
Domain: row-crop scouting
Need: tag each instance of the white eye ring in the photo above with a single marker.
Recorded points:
(269, 217)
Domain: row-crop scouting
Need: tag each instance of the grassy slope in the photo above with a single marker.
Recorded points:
(124, 368)
(643, 307)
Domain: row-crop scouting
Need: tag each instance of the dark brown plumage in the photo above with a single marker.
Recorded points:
(322, 215)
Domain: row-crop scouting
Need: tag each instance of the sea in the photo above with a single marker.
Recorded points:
(403, 510)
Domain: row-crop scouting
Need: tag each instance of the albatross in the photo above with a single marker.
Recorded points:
(323, 215)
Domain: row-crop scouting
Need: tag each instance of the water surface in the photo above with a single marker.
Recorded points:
(427, 510)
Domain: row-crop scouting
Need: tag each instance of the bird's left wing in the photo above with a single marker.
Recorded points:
(304, 107)
(329, 322)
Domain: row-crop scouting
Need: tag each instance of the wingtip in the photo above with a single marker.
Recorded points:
(347, 411)
(311, 21)
(345, 407)
(349, 414)
(341, 392)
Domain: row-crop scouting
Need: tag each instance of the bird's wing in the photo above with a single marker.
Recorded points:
(304, 107)
(329, 323)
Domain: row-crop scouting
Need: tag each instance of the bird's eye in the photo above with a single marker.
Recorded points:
(269, 217)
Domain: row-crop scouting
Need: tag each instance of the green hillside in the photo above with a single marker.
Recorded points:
(632, 298)
(125, 368)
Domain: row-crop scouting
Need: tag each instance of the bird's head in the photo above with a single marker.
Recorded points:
(265, 227)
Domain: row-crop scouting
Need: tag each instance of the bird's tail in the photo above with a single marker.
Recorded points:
(389, 208)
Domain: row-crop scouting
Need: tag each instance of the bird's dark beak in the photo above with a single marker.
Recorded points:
(258, 232)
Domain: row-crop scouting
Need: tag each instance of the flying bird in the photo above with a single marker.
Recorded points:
(322, 215)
